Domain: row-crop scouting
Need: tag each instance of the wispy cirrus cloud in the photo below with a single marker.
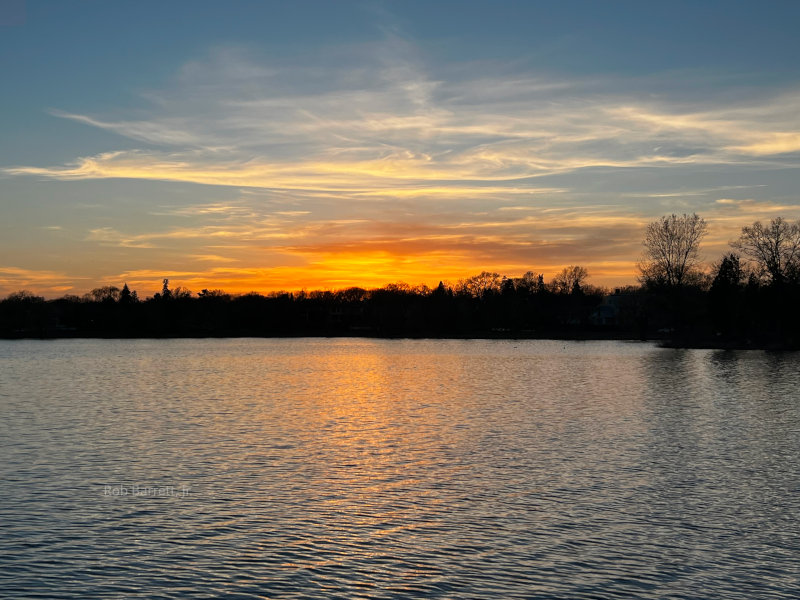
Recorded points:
(41, 280)
(375, 166)
(388, 123)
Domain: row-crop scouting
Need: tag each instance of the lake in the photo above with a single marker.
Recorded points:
(364, 468)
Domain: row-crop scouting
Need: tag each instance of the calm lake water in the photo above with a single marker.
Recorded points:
(359, 468)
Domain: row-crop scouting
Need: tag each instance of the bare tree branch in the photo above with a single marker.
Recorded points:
(671, 249)
(774, 248)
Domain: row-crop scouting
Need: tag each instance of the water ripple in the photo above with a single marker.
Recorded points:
(396, 469)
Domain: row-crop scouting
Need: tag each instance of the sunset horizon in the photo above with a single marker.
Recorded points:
(399, 299)
(270, 147)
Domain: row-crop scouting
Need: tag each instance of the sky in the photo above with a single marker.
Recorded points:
(263, 146)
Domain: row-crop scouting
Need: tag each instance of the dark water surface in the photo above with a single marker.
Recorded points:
(353, 468)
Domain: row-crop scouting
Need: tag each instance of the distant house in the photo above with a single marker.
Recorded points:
(621, 309)
(607, 313)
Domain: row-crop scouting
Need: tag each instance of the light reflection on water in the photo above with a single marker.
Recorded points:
(351, 468)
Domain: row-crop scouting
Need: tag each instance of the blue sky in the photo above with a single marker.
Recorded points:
(266, 145)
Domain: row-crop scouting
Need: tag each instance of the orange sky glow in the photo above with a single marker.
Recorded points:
(380, 157)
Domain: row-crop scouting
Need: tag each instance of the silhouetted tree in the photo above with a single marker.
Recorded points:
(107, 293)
(125, 296)
(507, 287)
(205, 293)
(165, 294)
(24, 311)
(181, 293)
(725, 312)
(726, 295)
(569, 280)
(483, 284)
(352, 294)
(774, 248)
(729, 273)
(671, 246)
(441, 291)
(24, 296)
(528, 283)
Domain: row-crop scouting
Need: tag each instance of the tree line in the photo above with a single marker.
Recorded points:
(747, 298)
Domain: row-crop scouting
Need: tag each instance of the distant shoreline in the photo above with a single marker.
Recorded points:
(722, 316)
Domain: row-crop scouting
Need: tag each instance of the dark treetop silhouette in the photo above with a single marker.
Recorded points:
(734, 304)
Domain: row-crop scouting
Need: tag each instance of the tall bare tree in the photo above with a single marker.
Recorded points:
(482, 285)
(570, 279)
(530, 282)
(108, 293)
(775, 248)
(671, 246)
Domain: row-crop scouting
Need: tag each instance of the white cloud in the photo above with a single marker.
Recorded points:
(384, 121)
(377, 150)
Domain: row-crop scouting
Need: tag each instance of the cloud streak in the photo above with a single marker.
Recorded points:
(18, 278)
(387, 168)
(389, 124)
